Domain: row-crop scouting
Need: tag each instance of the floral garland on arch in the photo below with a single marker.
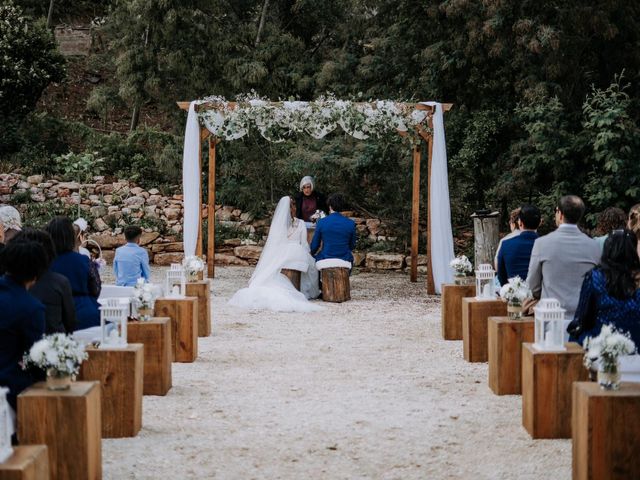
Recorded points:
(277, 121)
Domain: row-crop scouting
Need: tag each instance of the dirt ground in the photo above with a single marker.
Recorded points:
(364, 389)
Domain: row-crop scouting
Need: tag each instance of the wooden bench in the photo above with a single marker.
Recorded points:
(505, 339)
(183, 313)
(155, 335)
(335, 285)
(202, 291)
(452, 296)
(68, 422)
(27, 462)
(475, 317)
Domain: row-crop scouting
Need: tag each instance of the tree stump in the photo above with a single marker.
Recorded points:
(546, 389)
(28, 462)
(605, 432)
(120, 372)
(184, 326)
(452, 296)
(294, 276)
(202, 291)
(486, 235)
(335, 285)
(475, 316)
(505, 341)
(155, 335)
(68, 422)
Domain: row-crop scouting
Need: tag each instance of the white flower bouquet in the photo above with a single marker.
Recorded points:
(317, 216)
(58, 354)
(461, 266)
(516, 291)
(193, 265)
(605, 349)
(144, 295)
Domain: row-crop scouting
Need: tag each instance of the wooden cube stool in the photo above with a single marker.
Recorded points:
(605, 432)
(183, 313)
(202, 291)
(335, 285)
(68, 422)
(294, 276)
(452, 296)
(475, 315)
(155, 335)
(547, 379)
(120, 373)
(505, 339)
(28, 462)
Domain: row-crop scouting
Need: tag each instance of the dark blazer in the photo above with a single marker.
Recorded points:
(21, 325)
(514, 256)
(321, 203)
(54, 291)
(337, 235)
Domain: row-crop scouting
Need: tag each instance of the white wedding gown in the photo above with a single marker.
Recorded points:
(286, 247)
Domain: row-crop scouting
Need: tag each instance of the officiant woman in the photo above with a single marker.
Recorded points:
(308, 200)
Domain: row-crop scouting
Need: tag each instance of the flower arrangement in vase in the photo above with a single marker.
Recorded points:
(605, 349)
(193, 265)
(462, 269)
(515, 292)
(60, 356)
(144, 298)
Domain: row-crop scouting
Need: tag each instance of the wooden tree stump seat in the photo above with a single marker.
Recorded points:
(335, 285)
(28, 462)
(505, 338)
(183, 313)
(202, 291)
(452, 296)
(293, 275)
(155, 335)
(475, 317)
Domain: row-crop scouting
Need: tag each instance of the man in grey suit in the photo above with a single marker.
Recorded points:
(560, 259)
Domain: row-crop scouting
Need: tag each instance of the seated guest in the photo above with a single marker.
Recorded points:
(610, 292)
(634, 222)
(334, 233)
(611, 218)
(22, 321)
(560, 259)
(308, 200)
(514, 232)
(514, 256)
(77, 268)
(131, 261)
(52, 289)
(80, 227)
(11, 222)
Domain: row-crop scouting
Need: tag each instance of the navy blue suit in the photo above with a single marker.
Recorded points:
(514, 256)
(337, 235)
(22, 324)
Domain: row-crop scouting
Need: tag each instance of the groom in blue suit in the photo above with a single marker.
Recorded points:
(335, 233)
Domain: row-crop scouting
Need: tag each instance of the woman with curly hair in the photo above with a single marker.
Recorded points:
(634, 222)
(610, 219)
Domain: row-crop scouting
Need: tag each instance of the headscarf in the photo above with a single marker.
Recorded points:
(308, 180)
(10, 218)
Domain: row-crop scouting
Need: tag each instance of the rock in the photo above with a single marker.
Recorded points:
(225, 259)
(38, 197)
(246, 217)
(167, 247)
(134, 201)
(359, 258)
(154, 191)
(23, 184)
(233, 242)
(108, 255)
(99, 211)
(422, 260)
(373, 224)
(100, 225)
(171, 213)
(136, 190)
(63, 192)
(224, 214)
(236, 213)
(359, 220)
(35, 179)
(156, 200)
(248, 251)
(166, 259)
(73, 186)
(148, 237)
(362, 230)
(384, 261)
(5, 190)
(108, 241)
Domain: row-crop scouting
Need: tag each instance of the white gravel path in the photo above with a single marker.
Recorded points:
(365, 389)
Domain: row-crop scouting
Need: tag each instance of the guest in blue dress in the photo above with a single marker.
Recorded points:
(85, 284)
(22, 322)
(610, 292)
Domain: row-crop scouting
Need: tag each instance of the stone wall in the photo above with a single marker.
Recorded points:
(110, 206)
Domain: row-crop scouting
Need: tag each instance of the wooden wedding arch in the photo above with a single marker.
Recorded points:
(425, 133)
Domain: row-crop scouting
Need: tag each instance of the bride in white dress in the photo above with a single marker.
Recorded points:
(286, 247)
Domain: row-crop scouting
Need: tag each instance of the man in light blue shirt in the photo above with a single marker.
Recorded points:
(131, 261)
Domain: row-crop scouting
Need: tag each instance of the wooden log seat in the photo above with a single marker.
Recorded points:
(506, 337)
(202, 291)
(452, 296)
(155, 335)
(294, 276)
(27, 462)
(475, 317)
(184, 326)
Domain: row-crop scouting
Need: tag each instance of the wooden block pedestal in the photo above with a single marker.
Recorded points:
(120, 372)
(202, 291)
(68, 422)
(183, 313)
(606, 432)
(505, 339)
(28, 462)
(155, 335)
(547, 379)
(452, 296)
(475, 315)
(295, 276)
(335, 285)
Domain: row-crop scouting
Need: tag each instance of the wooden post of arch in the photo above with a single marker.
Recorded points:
(211, 209)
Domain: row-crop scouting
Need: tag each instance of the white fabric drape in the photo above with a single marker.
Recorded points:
(440, 219)
(191, 182)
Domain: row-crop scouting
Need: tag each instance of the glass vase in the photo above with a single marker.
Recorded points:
(609, 375)
(514, 310)
(193, 276)
(145, 314)
(462, 279)
(57, 380)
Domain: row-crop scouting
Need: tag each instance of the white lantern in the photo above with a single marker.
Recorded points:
(485, 276)
(6, 426)
(114, 310)
(549, 325)
(175, 274)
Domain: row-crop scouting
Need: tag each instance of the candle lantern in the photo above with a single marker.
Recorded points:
(6, 426)
(175, 274)
(114, 312)
(485, 276)
(549, 325)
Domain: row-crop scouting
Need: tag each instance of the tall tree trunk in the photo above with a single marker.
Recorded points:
(265, 7)
(50, 15)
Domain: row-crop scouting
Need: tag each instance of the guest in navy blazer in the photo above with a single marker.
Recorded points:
(515, 253)
(22, 321)
(335, 235)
